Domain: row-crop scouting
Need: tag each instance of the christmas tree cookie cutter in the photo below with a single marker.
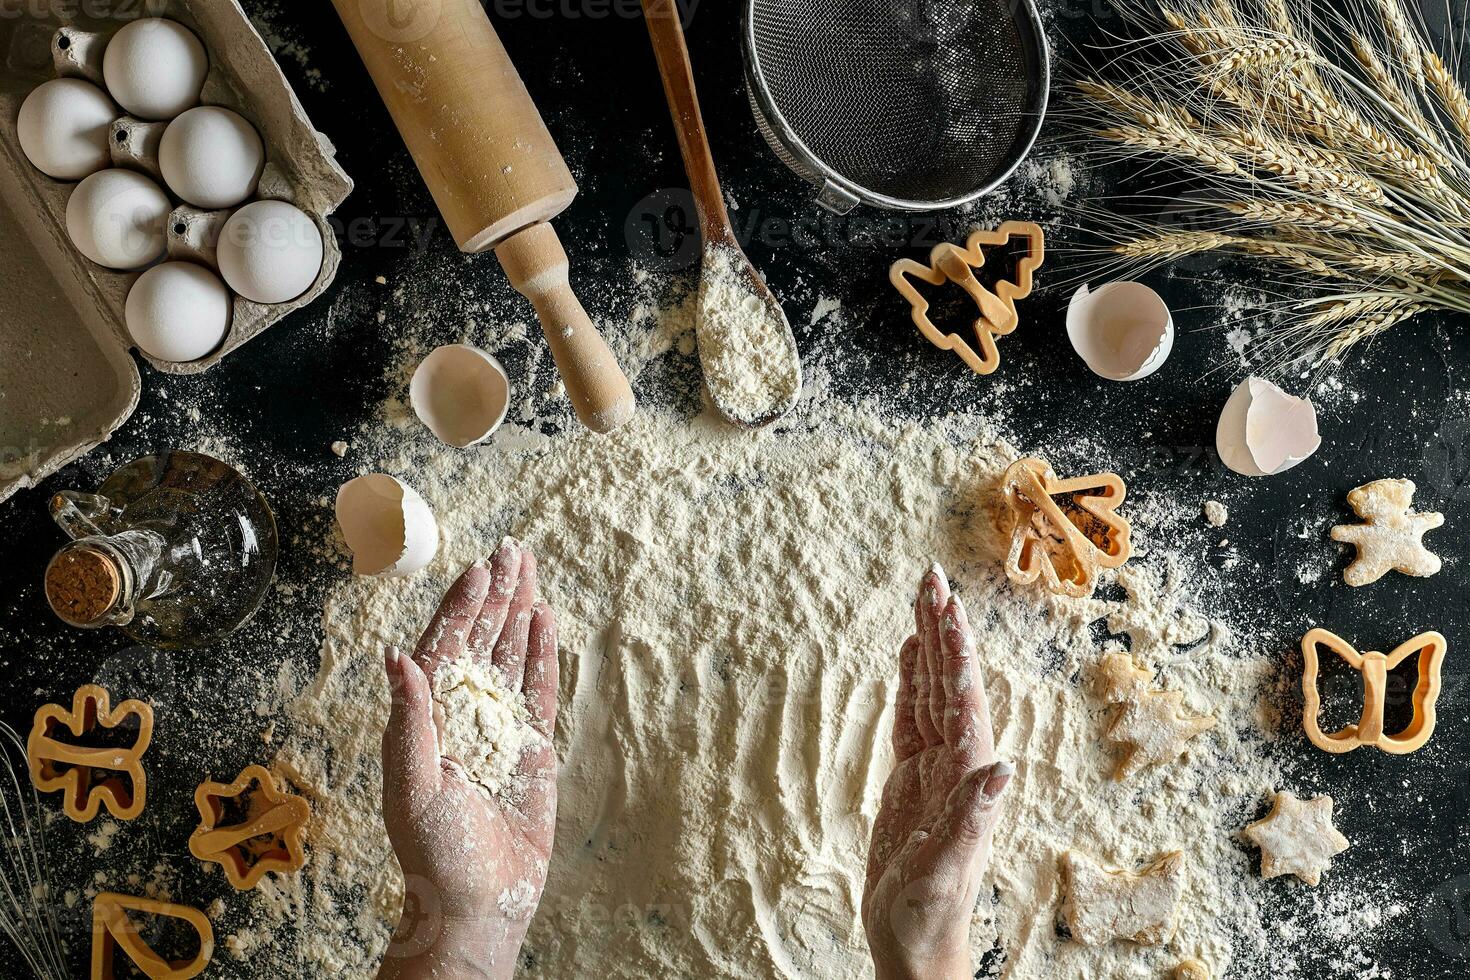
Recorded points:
(1430, 649)
(268, 838)
(90, 776)
(950, 263)
(114, 929)
(1065, 530)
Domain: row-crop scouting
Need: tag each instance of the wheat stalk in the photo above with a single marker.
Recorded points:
(1346, 166)
(1325, 216)
(1451, 94)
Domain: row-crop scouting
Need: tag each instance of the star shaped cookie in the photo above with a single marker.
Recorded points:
(1391, 537)
(1152, 726)
(1102, 905)
(1297, 838)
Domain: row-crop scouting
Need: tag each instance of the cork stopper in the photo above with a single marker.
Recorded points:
(83, 586)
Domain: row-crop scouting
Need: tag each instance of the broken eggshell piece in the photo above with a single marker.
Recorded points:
(1264, 431)
(1122, 330)
(461, 393)
(388, 527)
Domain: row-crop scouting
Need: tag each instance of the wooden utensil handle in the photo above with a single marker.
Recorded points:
(537, 267)
(678, 76)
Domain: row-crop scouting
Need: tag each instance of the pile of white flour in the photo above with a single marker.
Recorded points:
(731, 606)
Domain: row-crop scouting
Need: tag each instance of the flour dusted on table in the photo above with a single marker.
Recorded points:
(731, 608)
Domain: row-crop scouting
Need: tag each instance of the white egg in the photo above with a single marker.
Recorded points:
(270, 252)
(461, 393)
(211, 157)
(64, 128)
(155, 68)
(179, 311)
(118, 219)
(388, 527)
(1264, 431)
(1123, 330)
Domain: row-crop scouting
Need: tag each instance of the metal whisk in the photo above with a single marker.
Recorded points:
(27, 903)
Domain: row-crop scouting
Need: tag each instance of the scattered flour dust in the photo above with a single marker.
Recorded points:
(750, 364)
(731, 607)
(482, 725)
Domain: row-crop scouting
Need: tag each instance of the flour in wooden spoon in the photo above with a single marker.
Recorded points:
(750, 366)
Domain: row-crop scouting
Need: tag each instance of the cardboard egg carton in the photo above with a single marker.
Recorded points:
(67, 381)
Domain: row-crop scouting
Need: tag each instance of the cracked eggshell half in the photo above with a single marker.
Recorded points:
(1264, 431)
(1123, 330)
(388, 527)
(461, 393)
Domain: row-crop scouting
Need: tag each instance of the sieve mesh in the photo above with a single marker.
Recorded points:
(905, 103)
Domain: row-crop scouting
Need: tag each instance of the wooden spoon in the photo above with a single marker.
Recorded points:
(766, 386)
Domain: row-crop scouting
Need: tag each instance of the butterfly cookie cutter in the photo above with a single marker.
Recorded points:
(950, 263)
(1430, 649)
(114, 930)
(269, 838)
(90, 776)
(1085, 535)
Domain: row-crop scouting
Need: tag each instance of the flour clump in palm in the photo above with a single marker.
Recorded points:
(483, 726)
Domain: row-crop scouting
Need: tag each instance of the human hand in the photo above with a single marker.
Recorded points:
(931, 841)
(474, 867)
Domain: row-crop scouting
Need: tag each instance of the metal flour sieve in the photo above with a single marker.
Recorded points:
(913, 105)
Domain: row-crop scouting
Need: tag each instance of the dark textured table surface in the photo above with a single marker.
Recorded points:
(1403, 409)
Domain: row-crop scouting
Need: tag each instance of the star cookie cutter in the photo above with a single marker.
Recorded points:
(950, 263)
(1064, 544)
(268, 838)
(1374, 666)
(114, 929)
(90, 776)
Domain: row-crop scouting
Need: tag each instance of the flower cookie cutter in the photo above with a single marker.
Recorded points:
(114, 929)
(950, 263)
(268, 838)
(1065, 530)
(90, 776)
(1374, 666)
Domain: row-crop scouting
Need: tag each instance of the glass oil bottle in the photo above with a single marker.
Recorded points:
(176, 549)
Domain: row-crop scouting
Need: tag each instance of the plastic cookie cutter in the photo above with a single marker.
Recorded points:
(115, 929)
(1065, 530)
(950, 263)
(1430, 649)
(250, 828)
(91, 775)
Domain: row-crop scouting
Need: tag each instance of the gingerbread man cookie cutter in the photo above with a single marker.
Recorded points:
(269, 838)
(1090, 530)
(1430, 649)
(950, 263)
(90, 776)
(114, 929)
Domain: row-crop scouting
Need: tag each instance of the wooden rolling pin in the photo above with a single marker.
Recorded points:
(493, 169)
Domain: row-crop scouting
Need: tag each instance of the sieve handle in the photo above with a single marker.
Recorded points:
(678, 75)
